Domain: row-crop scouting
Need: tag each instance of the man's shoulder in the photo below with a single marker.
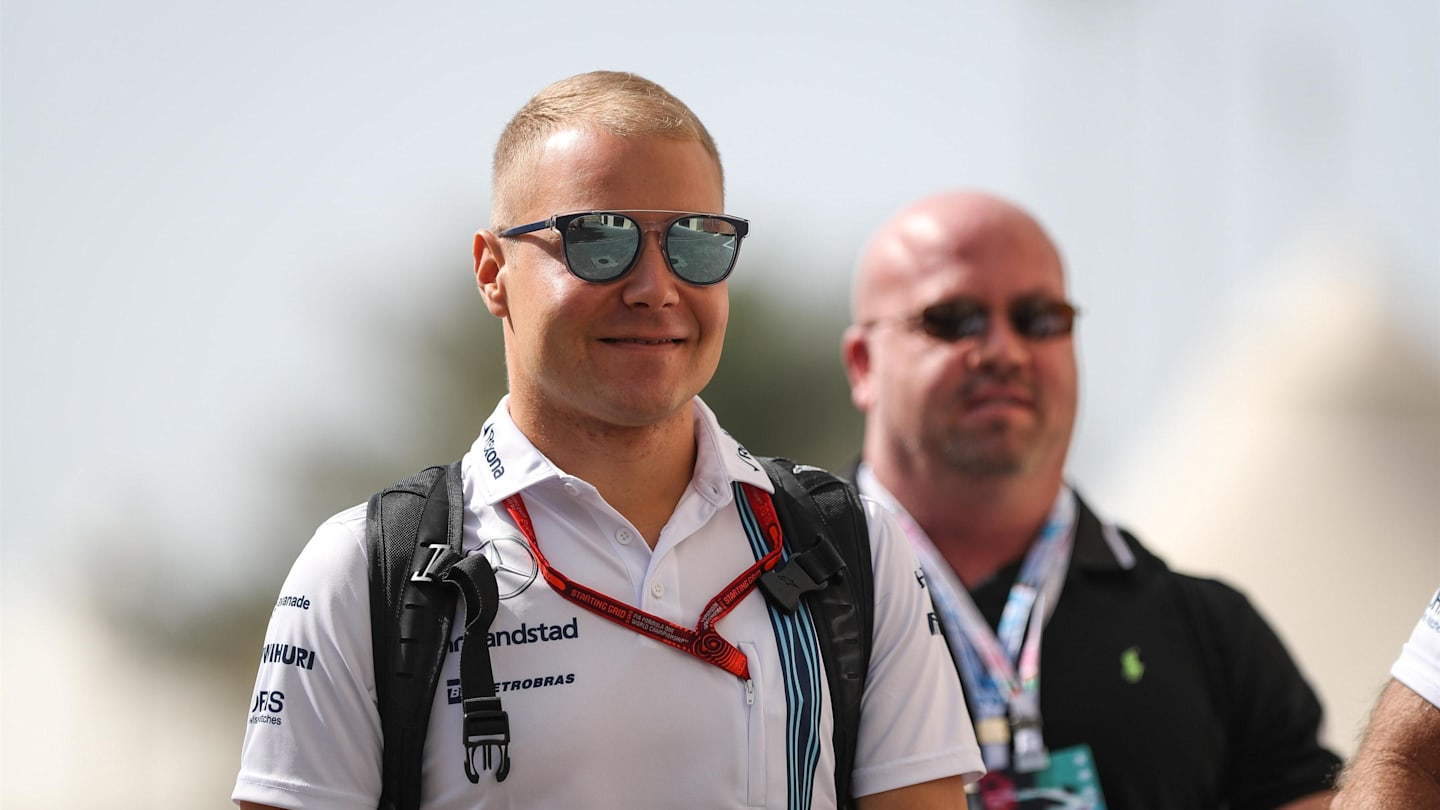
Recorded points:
(348, 519)
(1223, 604)
(339, 534)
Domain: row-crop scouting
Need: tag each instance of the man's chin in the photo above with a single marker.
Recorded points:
(648, 412)
(986, 459)
(991, 467)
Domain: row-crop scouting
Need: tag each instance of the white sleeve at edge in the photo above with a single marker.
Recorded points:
(1418, 666)
(313, 737)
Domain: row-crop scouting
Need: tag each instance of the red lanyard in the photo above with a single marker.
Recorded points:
(704, 641)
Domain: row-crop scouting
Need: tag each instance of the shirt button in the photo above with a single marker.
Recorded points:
(657, 590)
(623, 537)
(571, 489)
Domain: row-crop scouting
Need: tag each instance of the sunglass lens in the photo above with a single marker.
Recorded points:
(601, 247)
(1043, 319)
(702, 249)
(954, 321)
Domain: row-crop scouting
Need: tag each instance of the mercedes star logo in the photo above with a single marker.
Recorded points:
(515, 567)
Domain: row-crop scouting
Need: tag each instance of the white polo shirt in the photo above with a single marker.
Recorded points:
(1418, 666)
(599, 713)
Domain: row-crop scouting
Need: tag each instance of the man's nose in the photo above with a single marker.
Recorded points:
(1000, 347)
(651, 282)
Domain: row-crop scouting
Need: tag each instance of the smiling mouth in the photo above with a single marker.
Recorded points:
(981, 402)
(993, 401)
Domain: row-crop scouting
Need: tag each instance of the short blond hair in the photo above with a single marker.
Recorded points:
(613, 102)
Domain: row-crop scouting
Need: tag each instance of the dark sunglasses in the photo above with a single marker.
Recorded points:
(602, 246)
(1032, 318)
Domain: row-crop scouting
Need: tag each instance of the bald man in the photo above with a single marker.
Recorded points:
(1172, 689)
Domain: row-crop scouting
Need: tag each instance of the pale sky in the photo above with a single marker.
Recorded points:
(214, 214)
(202, 203)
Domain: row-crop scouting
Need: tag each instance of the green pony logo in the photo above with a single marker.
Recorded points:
(1132, 669)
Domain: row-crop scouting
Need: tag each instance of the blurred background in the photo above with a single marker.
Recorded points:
(236, 298)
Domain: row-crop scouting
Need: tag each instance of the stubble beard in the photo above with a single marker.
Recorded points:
(992, 450)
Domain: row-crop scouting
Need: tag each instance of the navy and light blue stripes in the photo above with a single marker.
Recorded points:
(801, 672)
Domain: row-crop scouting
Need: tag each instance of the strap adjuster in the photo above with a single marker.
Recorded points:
(441, 558)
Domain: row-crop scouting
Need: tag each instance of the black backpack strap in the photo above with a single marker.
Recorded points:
(414, 538)
(829, 564)
(486, 726)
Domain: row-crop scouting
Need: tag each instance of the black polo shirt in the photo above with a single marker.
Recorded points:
(1183, 692)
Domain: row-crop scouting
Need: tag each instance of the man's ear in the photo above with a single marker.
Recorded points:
(855, 355)
(490, 273)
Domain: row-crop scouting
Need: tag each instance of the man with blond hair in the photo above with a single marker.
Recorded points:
(1171, 689)
(604, 473)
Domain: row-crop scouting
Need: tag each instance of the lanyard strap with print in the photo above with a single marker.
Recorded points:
(1001, 673)
(703, 641)
(1001, 668)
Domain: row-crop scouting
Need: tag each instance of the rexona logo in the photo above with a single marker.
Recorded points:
(302, 602)
(492, 458)
(744, 455)
(288, 655)
(266, 706)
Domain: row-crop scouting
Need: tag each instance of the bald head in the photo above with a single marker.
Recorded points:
(960, 354)
(913, 249)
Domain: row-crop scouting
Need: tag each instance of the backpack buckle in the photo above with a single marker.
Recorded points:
(810, 570)
(487, 727)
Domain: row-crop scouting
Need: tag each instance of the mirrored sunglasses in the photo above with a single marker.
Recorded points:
(1031, 318)
(601, 246)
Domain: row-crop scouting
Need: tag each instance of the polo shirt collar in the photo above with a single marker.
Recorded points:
(502, 461)
(1098, 545)
(721, 460)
